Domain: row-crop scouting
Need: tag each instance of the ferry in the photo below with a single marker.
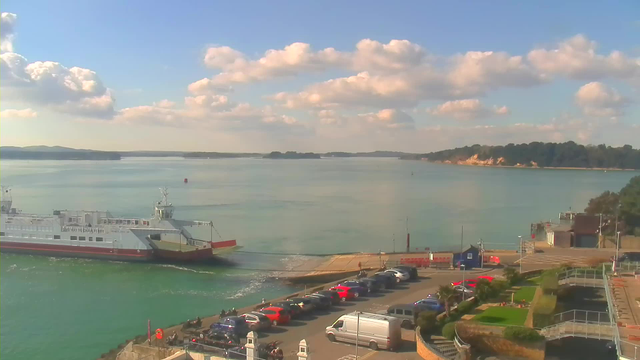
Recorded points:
(100, 235)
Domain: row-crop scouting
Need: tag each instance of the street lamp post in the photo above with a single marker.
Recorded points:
(357, 333)
(464, 288)
(617, 247)
(481, 244)
(520, 238)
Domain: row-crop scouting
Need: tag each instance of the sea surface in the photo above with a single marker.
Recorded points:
(290, 209)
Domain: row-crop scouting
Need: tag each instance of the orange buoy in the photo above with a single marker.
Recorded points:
(159, 334)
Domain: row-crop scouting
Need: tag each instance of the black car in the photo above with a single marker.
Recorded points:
(293, 308)
(231, 324)
(321, 301)
(413, 272)
(374, 284)
(304, 303)
(388, 279)
(333, 295)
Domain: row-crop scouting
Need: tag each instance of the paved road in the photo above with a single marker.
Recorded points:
(312, 328)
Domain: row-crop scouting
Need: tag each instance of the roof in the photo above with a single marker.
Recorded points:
(559, 227)
(586, 224)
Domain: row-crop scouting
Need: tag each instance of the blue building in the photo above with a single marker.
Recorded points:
(469, 257)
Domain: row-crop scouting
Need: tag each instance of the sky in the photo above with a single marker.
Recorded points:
(412, 76)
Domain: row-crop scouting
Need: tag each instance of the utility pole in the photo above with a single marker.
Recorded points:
(617, 247)
(481, 243)
(520, 237)
(461, 243)
(394, 243)
(464, 288)
(600, 227)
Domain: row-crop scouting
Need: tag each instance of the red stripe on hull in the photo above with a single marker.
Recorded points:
(77, 251)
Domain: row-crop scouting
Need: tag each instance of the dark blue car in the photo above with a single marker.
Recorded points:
(235, 325)
(360, 287)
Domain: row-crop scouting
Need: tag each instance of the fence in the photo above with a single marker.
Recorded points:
(584, 316)
(581, 277)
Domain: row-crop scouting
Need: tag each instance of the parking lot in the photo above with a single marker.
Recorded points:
(312, 327)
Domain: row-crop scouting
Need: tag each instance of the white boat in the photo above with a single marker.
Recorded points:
(100, 235)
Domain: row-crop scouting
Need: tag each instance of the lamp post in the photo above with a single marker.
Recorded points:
(464, 288)
(481, 244)
(520, 239)
(357, 333)
(617, 247)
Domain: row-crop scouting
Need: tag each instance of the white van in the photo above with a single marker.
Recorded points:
(376, 331)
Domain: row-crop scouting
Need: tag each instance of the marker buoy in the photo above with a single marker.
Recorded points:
(159, 334)
(186, 180)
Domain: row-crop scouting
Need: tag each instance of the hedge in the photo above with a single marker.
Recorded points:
(449, 331)
(427, 321)
(549, 283)
(544, 310)
(517, 333)
(464, 307)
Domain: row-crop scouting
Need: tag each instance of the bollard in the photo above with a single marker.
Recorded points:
(252, 346)
(303, 350)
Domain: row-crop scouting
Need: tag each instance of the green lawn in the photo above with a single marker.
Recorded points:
(526, 293)
(503, 316)
(535, 281)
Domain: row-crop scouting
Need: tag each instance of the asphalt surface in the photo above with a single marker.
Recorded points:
(312, 327)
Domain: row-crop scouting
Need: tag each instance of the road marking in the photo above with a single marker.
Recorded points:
(353, 356)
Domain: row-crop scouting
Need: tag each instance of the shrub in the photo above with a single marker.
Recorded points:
(449, 331)
(517, 333)
(498, 286)
(549, 283)
(464, 307)
(544, 310)
(512, 275)
(427, 321)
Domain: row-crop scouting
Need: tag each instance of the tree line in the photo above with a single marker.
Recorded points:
(623, 206)
(568, 154)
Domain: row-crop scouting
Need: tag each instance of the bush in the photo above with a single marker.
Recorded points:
(449, 331)
(596, 261)
(464, 307)
(549, 283)
(512, 275)
(427, 321)
(498, 286)
(517, 333)
(544, 310)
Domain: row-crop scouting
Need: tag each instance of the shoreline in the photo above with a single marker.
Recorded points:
(527, 167)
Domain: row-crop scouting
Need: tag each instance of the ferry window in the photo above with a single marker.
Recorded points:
(56, 237)
(74, 238)
(48, 236)
(1, 233)
(82, 238)
(99, 239)
(90, 238)
(136, 222)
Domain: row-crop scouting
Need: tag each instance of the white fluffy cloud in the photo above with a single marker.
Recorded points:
(576, 58)
(7, 25)
(466, 109)
(597, 99)
(18, 114)
(389, 118)
(75, 90)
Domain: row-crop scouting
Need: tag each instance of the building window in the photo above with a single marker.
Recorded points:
(56, 237)
(469, 256)
(99, 238)
(74, 238)
(82, 238)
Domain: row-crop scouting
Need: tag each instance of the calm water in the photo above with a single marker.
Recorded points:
(78, 309)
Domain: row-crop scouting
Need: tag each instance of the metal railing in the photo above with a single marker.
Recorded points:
(460, 344)
(624, 349)
(581, 277)
(628, 266)
(582, 316)
(573, 328)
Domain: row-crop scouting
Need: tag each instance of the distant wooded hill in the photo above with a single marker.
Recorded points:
(54, 153)
(538, 154)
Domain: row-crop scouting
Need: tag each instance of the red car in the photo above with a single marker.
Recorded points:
(345, 292)
(277, 315)
(470, 282)
(485, 277)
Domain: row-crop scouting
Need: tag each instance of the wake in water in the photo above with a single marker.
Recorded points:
(181, 268)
